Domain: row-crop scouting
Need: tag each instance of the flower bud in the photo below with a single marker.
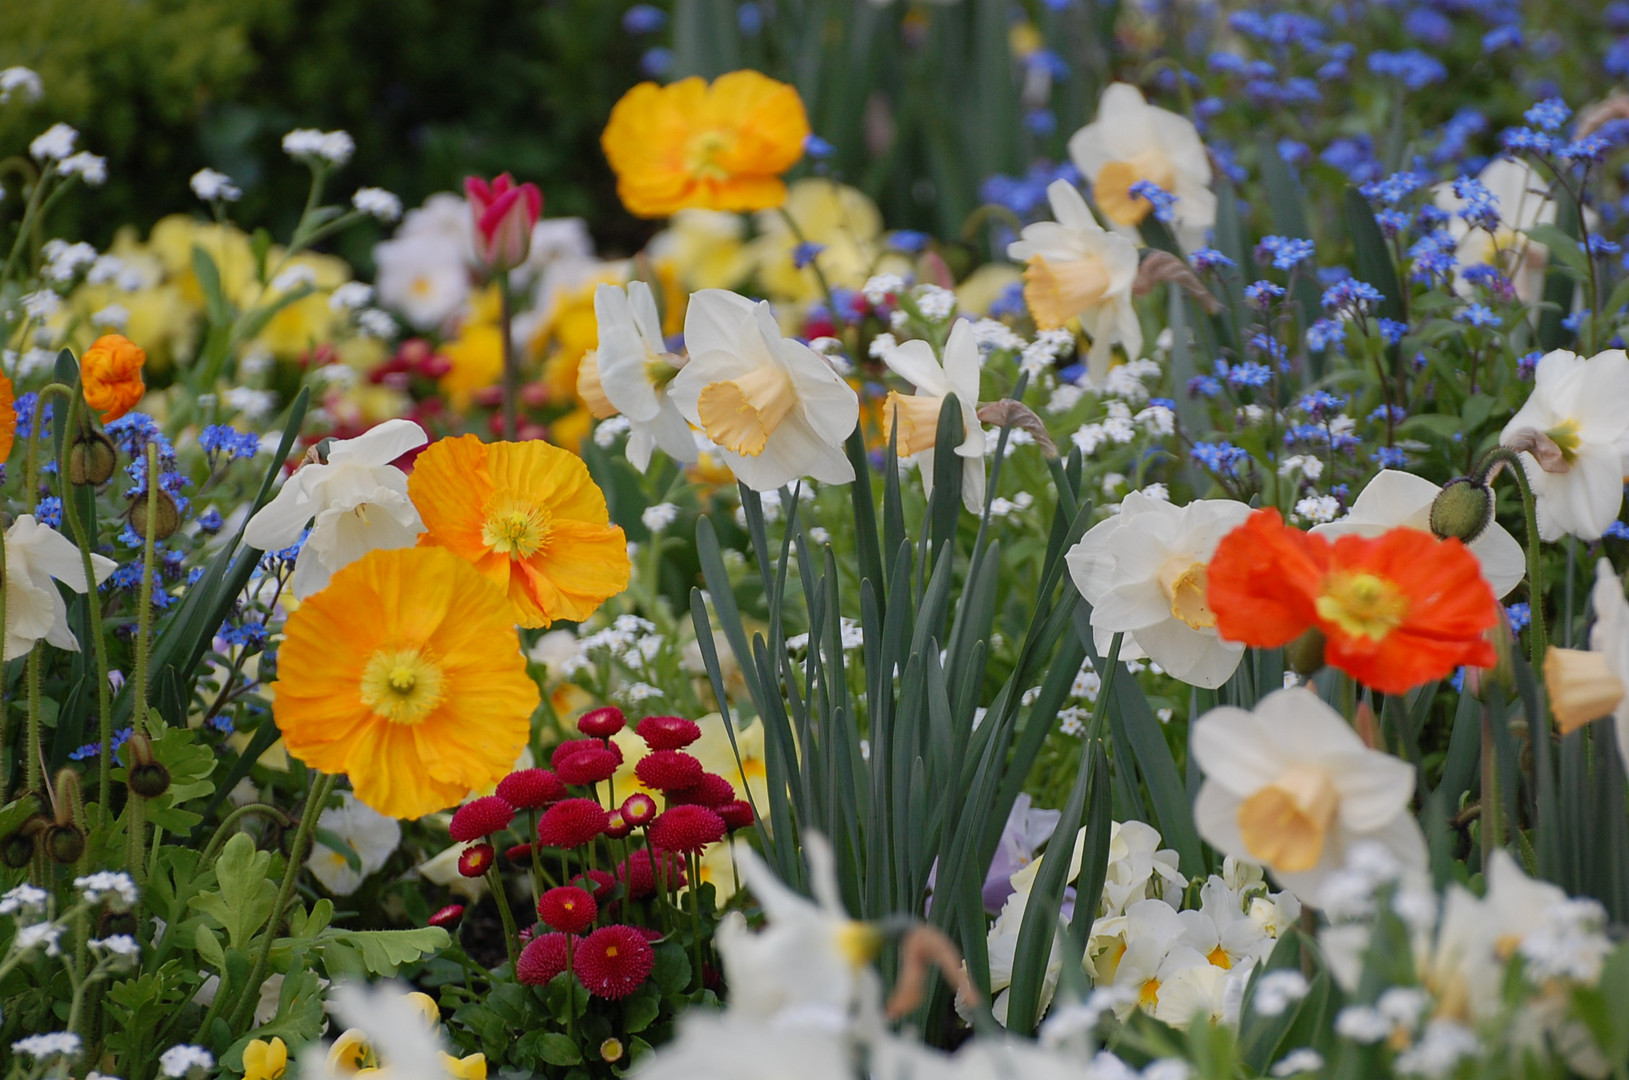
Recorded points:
(611, 1050)
(92, 459)
(1462, 510)
(505, 213)
(17, 850)
(64, 843)
(112, 923)
(149, 781)
(165, 522)
(1305, 654)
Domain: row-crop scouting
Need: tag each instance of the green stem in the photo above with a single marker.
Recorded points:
(35, 196)
(511, 936)
(320, 791)
(511, 372)
(32, 767)
(1492, 462)
(224, 830)
(144, 613)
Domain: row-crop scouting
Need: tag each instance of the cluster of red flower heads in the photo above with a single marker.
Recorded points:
(700, 808)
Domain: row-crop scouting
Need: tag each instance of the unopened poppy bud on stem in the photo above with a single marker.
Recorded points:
(166, 520)
(1462, 511)
(92, 459)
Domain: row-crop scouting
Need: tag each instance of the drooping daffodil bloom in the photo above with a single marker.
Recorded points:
(917, 415)
(373, 837)
(1290, 786)
(1587, 684)
(1394, 498)
(1132, 141)
(632, 368)
(1144, 573)
(35, 554)
(1573, 435)
(811, 958)
(774, 407)
(356, 503)
(1076, 269)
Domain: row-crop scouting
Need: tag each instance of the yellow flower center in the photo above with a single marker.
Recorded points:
(740, 414)
(703, 153)
(610, 952)
(402, 686)
(1362, 604)
(1112, 188)
(1565, 436)
(858, 942)
(1149, 995)
(515, 527)
(1284, 824)
(918, 419)
(1059, 291)
(1185, 585)
(1219, 958)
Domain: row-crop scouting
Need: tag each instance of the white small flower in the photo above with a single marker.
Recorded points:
(181, 1060)
(107, 270)
(40, 935)
(607, 431)
(113, 886)
(878, 289)
(637, 692)
(117, 945)
(1319, 508)
(64, 261)
(55, 144)
(1403, 1005)
(1157, 420)
(41, 304)
(993, 335)
(1159, 492)
(1304, 1060)
(376, 323)
(934, 302)
(25, 901)
(1167, 1069)
(293, 278)
(349, 296)
(210, 186)
(377, 202)
(1278, 990)
(20, 80)
(255, 405)
(1439, 1051)
(1569, 944)
(87, 166)
(112, 317)
(658, 517)
(1362, 1024)
(882, 345)
(309, 144)
(41, 1047)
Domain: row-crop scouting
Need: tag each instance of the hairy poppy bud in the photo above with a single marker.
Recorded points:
(166, 520)
(1462, 511)
(64, 843)
(17, 850)
(92, 459)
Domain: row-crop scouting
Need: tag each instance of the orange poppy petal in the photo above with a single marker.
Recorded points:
(1261, 581)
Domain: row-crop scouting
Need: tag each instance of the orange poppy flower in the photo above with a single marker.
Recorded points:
(8, 418)
(110, 372)
(1396, 610)
(529, 517)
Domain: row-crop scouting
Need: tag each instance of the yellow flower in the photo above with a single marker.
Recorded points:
(529, 518)
(843, 221)
(477, 362)
(705, 248)
(265, 1060)
(722, 146)
(301, 324)
(472, 1067)
(351, 1054)
(406, 674)
(172, 241)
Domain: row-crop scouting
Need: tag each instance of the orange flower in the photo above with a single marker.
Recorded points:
(405, 674)
(529, 517)
(8, 418)
(722, 146)
(1396, 610)
(111, 373)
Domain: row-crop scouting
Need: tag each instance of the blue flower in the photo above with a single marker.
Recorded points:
(816, 147)
(1163, 201)
(1287, 252)
(909, 241)
(1414, 69)
(1219, 457)
(1549, 115)
(1209, 259)
(1433, 255)
(1249, 373)
(1261, 294)
(1390, 457)
(749, 19)
(1392, 331)
(1526, 140)
(24, 408)
(656, 62)
(1478, 315)
(1351, 295)
(1324, 333)
(210, 521)
(1503, 37)
(1204, 386)
(643, 19)
(1321, 404)
(49, 511)
(1520, 616)
(805, 253)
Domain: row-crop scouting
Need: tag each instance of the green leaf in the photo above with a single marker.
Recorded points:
(557, 1049)
(1564, 248)
(1374, 260)
(378, 952)
(299, 1020)
(672, 968)
(246, 896)
(190, 765)
(339, 846)
(209, 947)
(209, 280)
(641, 1007)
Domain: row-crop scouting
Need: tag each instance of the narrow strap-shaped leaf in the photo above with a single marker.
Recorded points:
(866, 542)
(1094, 868)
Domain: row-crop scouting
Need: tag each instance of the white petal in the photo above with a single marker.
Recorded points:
(379, 445)
(713, 320)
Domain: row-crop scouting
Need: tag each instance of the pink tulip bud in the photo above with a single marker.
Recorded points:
(504, 213)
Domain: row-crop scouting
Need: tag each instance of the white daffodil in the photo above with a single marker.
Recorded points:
(1292, 787)
(917, 416)
(356, 503)
(1221, 930)
(774, 407)
(35, 554)
(372, 836)
(732, 1046)
(1523, 203)
(1585, 685)
(1201, 992)
(1132, 140)
(1075, 269)
(1573, 434)
(1144, 573)
(633, 368)
(811, 959)
(1398, 499)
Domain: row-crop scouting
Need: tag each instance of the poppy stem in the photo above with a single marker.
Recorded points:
(1492, 462)
(511, 937)
(506, 318)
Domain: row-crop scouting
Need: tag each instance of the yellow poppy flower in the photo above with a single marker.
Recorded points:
(529, 518)
(718, 146)
(406, 674)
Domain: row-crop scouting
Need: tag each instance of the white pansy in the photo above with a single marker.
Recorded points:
(634, 368)
(1077, 270)
(371, 835)
(775, 408)
(423, 270)
(1573, 434)
(1292, 787)
(356, 503)
(1132, 140)
(35, 555)
(1395, 499)
(1144, 573)
(917, 415)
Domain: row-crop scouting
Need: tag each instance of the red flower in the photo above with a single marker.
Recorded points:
(585, 761)
(504, 213)
(668, 732)
(476, 859)
(613, 961)
(638, 809)
(483, 817)
(530, 789)
(616, 826)
(598, 882)
(567, 908)
(711, 791)
(668, 770)
(542, 959)
(736, 814)
(1396, 611)
(639, 872)
(686, 828)
(603, 722)
(447, 916)
(571, 823)
(520, 854)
